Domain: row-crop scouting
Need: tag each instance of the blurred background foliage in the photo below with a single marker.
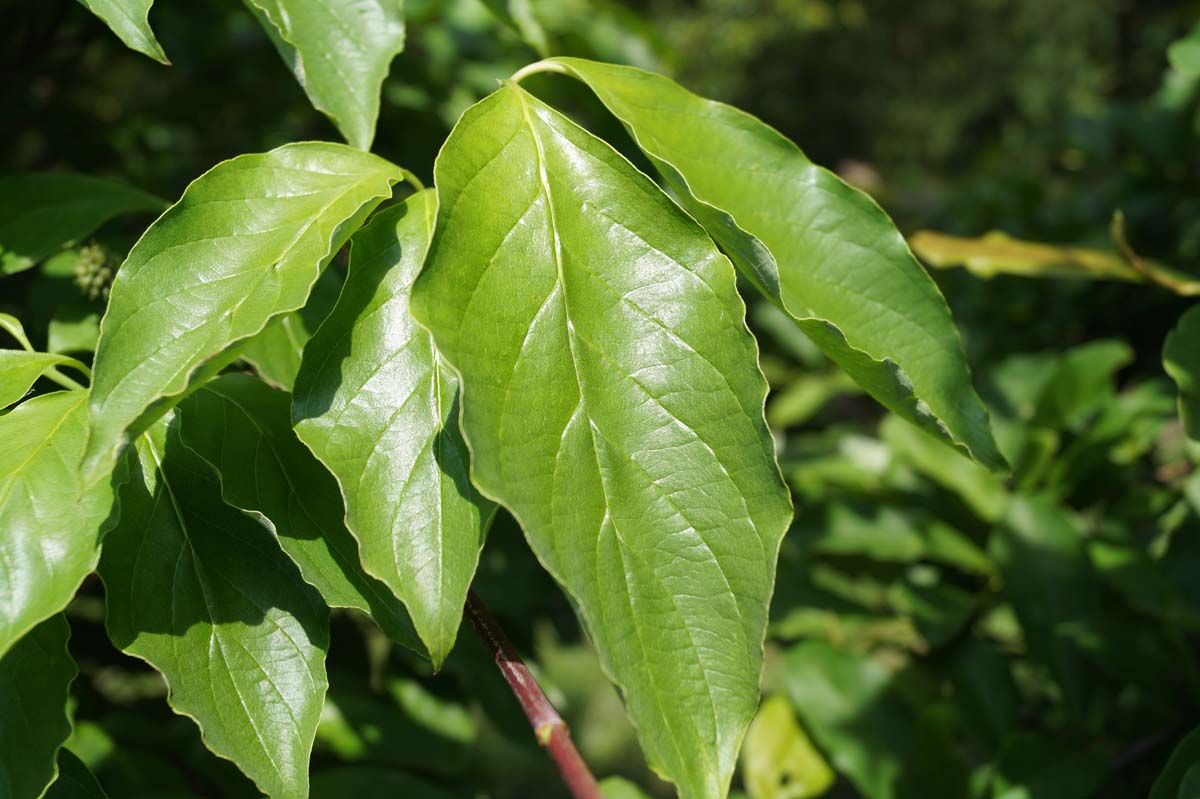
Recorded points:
(938, 631)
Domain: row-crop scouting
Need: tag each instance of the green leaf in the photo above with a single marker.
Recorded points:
(49, 532)
(202, 592)
(376, 406)
(519, 15)
(1184, 758)
(1184, 55)
(778, 759)
(820, 249)
(612, 401)
(35, 681)
(371, 782)
(74, 781)
(867, 727)
(997, 253)
(340, 51)
(1181, 359)
(242, 428)
(275, 352)
(40, 212)
(20, 369)
(130, 20)
(244, 244)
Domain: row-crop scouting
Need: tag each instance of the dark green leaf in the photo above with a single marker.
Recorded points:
(376, 406)
(202, 592)
(35, 678)
(617, 411)
(74, 781)
(242, 428)
(1181, 359)
(1183, 761)
(40, 212)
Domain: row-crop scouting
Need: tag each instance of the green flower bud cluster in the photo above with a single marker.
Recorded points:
(92, 274)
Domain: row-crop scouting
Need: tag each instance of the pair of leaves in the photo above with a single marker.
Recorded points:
(339, 50)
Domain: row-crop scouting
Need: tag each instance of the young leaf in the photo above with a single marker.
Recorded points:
(20, 369)
(340, 51)
(130, 20)
(75, 780)
(35, 680)
(40, 212)
(243, 429)
(202, 592)
(820, 249)
(275, 352)
(612, 401)
(1181, 359)
(244, 244)
(49, 532)
(377, 407)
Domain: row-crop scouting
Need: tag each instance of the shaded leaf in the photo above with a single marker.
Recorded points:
(867, 728)
(820, 249)
(340, 51)
(74, 781)
(375, 405)
(275, 352)
(35, 681)
(50, 528)
(1181, 359)
(1183, 761)
(242, 428)
(372, 782)
(242, 639)
(42, 211)
(778, 759)
(245, 243)
(617, 411)
(519, 15)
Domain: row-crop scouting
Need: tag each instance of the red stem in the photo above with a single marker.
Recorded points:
(548, 726)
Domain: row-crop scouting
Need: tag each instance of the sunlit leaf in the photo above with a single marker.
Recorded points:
(617, 411)
(129, 19)
(820, 249)
(275, 352)
(376, 405)
(340, 51)
(49, 532)
(202, 592)
(42, 211)
(778, 759)
(245, 243)
(35, 678)
(20, 369)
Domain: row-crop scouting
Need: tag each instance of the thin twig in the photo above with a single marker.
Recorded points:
(548, 726)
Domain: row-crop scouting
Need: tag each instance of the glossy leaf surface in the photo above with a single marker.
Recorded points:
(242, 428)
(49, 534)
(275, 352)
(820, 249)
(340, 51)
(40, 212)
(242, 639)
(244, 244)
(1181, 358)
(377, 407)
(129, 19)
(617, 411)
(35, 679)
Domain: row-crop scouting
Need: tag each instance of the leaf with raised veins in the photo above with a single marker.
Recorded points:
(612, 401)
(42, 211)
(243, 429)
(822, 250)
(244, 244)
(49, 532)
(340, 51)
(377, 407)
(35, 680)
(202, 592)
